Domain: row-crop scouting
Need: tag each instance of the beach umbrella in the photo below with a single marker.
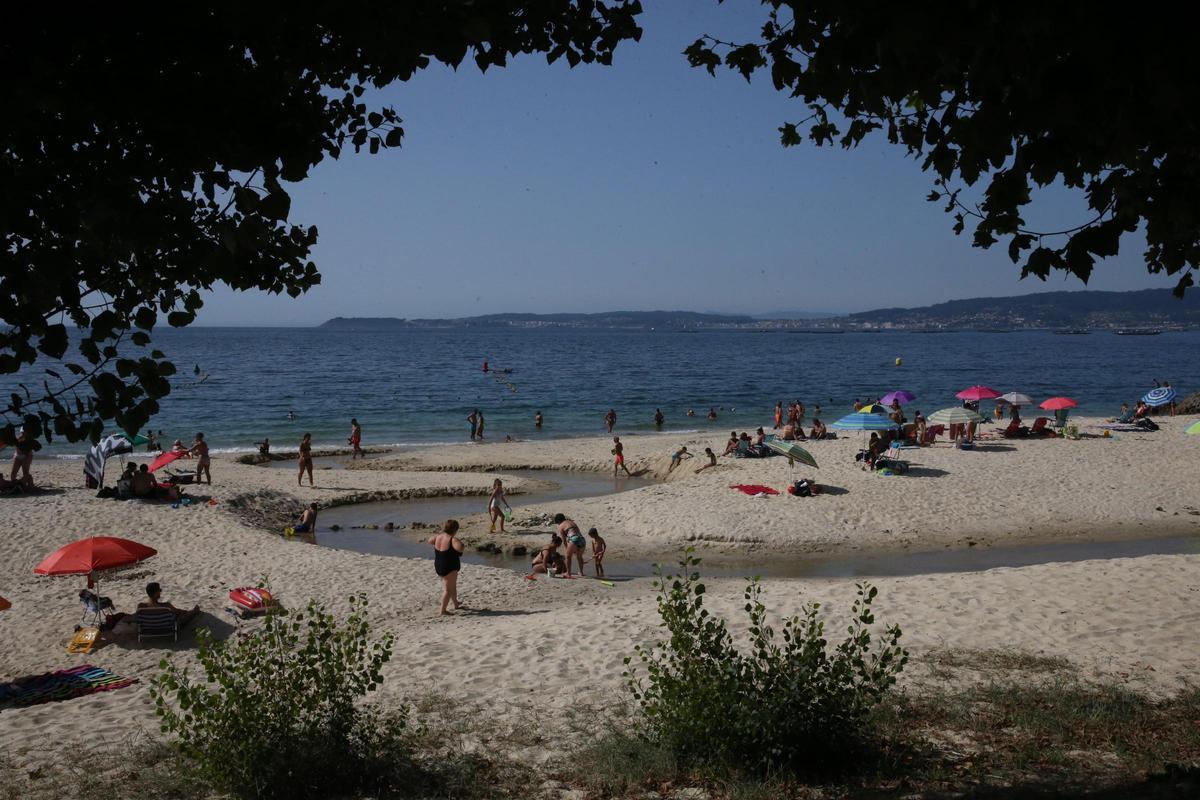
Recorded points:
(953, 416)
(106, 448)
(976, 393)
(874, 408)
(93, 554)
(1193, 429)
(1159, 397)
(137, 440)
(1058, 403)
(793, 451)
(4, 604)
(899, 396)
(166, 458)
(1016, 399)
(862, 421)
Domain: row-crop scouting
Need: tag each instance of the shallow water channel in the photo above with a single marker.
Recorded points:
(575, 485)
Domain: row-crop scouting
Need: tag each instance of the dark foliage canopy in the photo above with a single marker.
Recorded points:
(145, 156)
(1005, 97)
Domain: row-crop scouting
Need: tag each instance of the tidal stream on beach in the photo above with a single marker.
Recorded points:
(408, 543)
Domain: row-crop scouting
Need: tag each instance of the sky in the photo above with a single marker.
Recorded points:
(644, 185)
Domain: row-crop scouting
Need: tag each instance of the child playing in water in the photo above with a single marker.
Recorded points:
(598, 548)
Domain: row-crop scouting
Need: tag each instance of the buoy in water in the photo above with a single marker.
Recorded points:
(899, 361)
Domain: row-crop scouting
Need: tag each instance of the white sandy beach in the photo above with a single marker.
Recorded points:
(1129, 619)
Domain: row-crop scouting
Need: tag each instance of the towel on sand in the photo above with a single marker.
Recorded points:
(61, 685)
(753, 488)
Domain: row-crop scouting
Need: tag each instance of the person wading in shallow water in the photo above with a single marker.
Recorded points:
(356, 439)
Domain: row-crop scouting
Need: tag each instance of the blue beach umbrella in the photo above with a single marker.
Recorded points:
(1159, 397)
(858, 421)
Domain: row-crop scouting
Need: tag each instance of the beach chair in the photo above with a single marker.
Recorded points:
(94, 608)
(1039, 427)
(1060, 418)
(156, 623)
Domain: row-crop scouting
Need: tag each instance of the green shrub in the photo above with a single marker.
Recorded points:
(794, 706)
(277, 713)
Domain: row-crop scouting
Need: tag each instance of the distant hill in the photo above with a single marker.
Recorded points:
(1083, 309)
(609, 319)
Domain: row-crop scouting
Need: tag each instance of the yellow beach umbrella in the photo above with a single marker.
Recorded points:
(1194, 429)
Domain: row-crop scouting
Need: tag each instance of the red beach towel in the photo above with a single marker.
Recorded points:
(753, 488)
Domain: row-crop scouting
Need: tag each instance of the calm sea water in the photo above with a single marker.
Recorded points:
(416, 387)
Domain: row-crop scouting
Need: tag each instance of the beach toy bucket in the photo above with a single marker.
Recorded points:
(508, 515)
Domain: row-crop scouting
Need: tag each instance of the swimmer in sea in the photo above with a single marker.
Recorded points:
(473, 418)
(291, 414)
(537, 420)
(658, 418)
(618, 450)
(712, 413)
(610, 419)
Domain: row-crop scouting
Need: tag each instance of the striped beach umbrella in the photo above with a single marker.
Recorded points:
(793, 451)
(954, 416)
(1159, 397)
(859, 421)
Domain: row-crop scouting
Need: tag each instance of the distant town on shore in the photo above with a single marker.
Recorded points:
(1144, 311)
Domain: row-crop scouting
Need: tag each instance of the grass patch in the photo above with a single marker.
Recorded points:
(996, 660)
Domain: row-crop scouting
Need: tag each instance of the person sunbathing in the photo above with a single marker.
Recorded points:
(789, 432)
(154, 600)
(141, 483)
(760, 438)
(732, 445)
(819, 430)
(712, 460)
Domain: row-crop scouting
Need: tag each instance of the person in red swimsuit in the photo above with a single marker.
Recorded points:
(619, 452)
(356, 439)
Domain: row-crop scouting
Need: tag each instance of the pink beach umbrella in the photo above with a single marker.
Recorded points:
(1058, 403)
(977, 393)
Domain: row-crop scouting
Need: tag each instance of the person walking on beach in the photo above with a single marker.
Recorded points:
(305, 461)
(473, 418)
(356, 439)
(610, 419)
(778, 415)
(618, 451)
(494, 501)
(599, 546)
(203, 462)
(447, 561)
(658, 418)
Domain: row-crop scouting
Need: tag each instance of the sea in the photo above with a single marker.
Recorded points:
(416, 387)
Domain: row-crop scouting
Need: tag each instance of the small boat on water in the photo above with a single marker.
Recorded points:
(1073, 332)
(1138, 332)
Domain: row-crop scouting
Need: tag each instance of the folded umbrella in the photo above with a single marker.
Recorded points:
(976, 393)
(1159, 397)
(166, 458)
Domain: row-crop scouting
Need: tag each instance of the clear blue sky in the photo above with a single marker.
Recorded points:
(645, 185)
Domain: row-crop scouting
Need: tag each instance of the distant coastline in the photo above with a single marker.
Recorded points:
(1080, 311)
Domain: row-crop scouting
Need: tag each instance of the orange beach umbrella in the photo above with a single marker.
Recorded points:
(93, 554)
(4, 604)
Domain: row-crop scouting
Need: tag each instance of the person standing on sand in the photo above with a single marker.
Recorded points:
(778, 415)
(356, 439)
(447, 561)
(305, 460)
(618, 451)
(494, 501)
(599, 546)
(473, 418)
(568, 531)
(203, 462)
(610, 419)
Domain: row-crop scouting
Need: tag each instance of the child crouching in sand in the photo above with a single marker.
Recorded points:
(598, 548)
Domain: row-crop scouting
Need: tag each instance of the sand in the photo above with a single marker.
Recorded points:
(1125, 619)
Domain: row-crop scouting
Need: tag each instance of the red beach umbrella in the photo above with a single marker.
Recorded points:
(4, 604)
(166, 458)
(976, 393)
(93, 554)
(1058, 403)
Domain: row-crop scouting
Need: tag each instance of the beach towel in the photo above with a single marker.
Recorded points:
(753, 488)
(61, 685)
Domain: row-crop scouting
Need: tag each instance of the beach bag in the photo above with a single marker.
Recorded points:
(802, 488)
(1147, 424)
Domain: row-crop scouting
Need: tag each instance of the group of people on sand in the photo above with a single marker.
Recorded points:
(682, 453)
(549, 561)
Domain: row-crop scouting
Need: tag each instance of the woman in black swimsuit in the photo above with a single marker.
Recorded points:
(447, 561)
(305, 459)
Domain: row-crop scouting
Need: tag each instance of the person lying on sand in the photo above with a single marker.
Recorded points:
(712, 460)
(677, 458)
